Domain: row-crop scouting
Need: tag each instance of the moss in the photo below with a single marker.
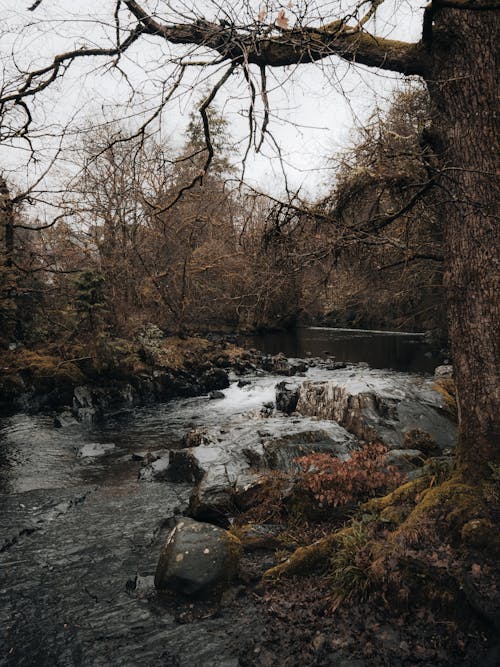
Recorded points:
(394, 514)
(404, 494)
(306, 560)
(449, 506)
(446, 387)
(251, 540)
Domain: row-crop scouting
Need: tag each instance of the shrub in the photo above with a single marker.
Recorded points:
(333, 482)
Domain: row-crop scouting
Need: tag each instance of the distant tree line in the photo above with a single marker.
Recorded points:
(132, 251)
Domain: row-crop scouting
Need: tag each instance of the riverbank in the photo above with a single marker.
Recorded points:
(123, 373)
(84, 526)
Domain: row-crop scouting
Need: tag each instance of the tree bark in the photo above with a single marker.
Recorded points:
(7, 221)
(463, 86)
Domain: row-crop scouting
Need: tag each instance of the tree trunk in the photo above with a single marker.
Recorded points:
(7, 220)
(463, 86)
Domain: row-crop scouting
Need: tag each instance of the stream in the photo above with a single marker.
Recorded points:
(80, 535)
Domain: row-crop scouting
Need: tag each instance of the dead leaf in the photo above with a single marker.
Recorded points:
(475, 570)
(262, 13)
(282, 21)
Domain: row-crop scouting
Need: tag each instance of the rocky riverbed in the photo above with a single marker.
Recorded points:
(87, 505)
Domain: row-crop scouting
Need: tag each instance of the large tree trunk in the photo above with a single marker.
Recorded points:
(463, 87)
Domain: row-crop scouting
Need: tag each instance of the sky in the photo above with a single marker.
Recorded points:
(314, 108)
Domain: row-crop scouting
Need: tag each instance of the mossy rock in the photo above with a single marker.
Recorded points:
(446, 387)
(198, 559)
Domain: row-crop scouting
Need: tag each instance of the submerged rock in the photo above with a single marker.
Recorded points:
(95, 449)
(216, 394)
(197, 559)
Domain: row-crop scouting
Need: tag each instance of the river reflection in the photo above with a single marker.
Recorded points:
(379, 349)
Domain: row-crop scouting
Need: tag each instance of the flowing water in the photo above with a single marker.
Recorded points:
(74, 532)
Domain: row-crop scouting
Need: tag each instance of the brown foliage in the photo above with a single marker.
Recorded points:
(334, 482)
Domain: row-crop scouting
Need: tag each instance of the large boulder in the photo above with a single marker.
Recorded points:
(219, 473)
(380, 405)
(197, 559)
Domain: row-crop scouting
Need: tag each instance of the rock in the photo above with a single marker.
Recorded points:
(445, 371)
(95, 449)
(195, 437)
(405, 460)
(278, 364)
(197, 559)
(64, 419)
(214, 379)
(243, 383)
(267, 409)
(91, 403)
(380, 406)
(336, 365)
(184, 466)
(213, 395)
(298, 369)
(219, 473)
(155, 471)
(287, 396)
(418, 439)
(280, 453)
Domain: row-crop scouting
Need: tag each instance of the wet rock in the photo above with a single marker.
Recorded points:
(195, 437)
(267, 409)
(214, 379)
(445, 371)
(95, 449)
(64, 419)
(220, 473)
(184, 466)
(91, 403)
(278, 364)
(287, 396)
(155, 471)
(280, 453)
(336, 365)
(380, 405)
(298, 369)
(197, 559)
(214, 395)
(243, 383)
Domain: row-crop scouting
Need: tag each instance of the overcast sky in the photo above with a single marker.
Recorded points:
(314, 107)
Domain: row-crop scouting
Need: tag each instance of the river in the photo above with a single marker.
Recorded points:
(80, 534)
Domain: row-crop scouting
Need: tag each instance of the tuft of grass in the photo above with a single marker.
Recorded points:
(351, 561)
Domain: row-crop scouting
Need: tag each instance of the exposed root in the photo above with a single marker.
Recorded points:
(417, 543)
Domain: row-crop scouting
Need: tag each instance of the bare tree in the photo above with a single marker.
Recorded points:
(455, 57)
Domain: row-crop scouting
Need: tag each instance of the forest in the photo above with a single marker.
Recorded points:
(176, 488)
